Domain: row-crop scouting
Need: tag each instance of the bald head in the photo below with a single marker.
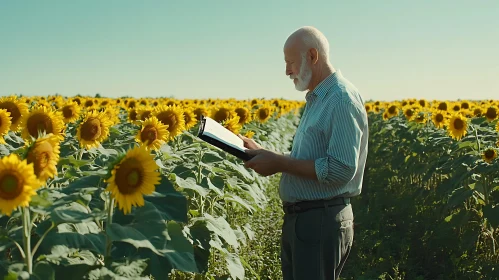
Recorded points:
(306, 38)
(306, 52)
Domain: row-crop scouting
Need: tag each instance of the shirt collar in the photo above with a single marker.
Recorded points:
(323, 87)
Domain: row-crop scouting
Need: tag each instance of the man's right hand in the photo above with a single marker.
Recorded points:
(250, 143)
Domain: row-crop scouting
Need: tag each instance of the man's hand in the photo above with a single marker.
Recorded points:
(264, 162)
(249, 143)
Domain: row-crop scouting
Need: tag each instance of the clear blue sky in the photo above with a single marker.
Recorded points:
(233, 48)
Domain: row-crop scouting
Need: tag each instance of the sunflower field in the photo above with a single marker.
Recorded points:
(430, 202)
(102, 188)
(99, 188)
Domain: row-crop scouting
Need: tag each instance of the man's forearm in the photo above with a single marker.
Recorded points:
(300, 168)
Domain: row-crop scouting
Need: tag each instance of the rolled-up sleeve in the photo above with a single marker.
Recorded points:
(340, 164)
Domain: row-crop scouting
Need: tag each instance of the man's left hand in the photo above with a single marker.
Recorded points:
(264, 162)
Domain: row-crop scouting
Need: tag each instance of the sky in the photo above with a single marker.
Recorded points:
(390, 50)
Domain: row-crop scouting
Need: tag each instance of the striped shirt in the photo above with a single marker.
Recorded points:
(333, 131)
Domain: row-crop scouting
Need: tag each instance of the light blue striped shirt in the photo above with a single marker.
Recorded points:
(333, 131)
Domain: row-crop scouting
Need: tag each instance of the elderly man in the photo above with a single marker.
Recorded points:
(325, 167)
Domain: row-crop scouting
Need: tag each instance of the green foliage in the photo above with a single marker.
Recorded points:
(192, 219)
(429, 205)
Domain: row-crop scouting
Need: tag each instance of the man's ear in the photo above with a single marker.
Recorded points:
(314, 55)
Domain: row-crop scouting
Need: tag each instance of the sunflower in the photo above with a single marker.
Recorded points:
(457, 126)
(443, 106)
(5, 124)
(222, 113)
(200, 111)
(244, 114)
(134, 176)
(489, 155)
(263, 113)
(386, 116)
(153, 134)
(249, 134)
(438, 118)
(44, 120)
(491, 113)
(132, 115)
(477, 112)
(410, 111)
(17, 110)
(173, 117)
(497, 126)
(419, 117)
(368, 107)
(44, 155)
(232, 124)
(18, 183)
(93, 130)
(70, 111)
(189, 118)
(392, 110)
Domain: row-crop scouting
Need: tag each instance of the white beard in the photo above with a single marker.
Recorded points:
(304, 77)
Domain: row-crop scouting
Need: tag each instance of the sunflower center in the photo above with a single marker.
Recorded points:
(67, 112)
(91, 130)
(222, 115)
(145, 115)
(129, 176)
(409, 113)
(187, 117)
(9, 187)
(458, 124)
(465, 105)
(456, 108)
(442, 106)
(89, 103)
(149, 133)
(489, 154)
(392, 109)
(243, 114)
(133, 115)
(169, 119)
(39, 122)
(15, 114)
(263, 113)
(491, 113)
(439, 117)
(133, 178)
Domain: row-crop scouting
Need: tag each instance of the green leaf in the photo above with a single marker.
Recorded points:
(492, 215)
(92, 242)
(240, 201)
(459, 196)
(190, 183)
(171, 204)
(220, 227)
(235, 266)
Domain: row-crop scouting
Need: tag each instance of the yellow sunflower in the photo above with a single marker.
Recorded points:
(44, 155)
(244, 114)
(5, 124)
(491, 113)
(93, 130)
(189, 118)
(249, 134)
(392, 111)
(457, 126)
(439, 118)
(489, 155)
(199, 111)
(173, 117)
(44, 120)
(70, 111)
(232, 124)
(221, 113)
(263, 113)
(153, 134)
(17, 183)
(17, 110)
(133, 177)
(497, 126)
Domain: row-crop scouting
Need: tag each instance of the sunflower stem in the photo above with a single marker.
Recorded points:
(41, 239)
(27, 239)
(109, 221)
(477, 140)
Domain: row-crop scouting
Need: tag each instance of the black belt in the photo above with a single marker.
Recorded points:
(303, 206)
